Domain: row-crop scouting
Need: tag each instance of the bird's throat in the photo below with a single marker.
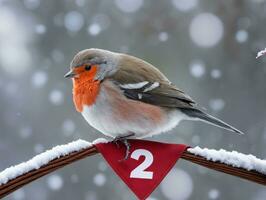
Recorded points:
(85, 93)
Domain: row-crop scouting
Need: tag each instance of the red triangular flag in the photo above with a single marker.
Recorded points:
(148, 163)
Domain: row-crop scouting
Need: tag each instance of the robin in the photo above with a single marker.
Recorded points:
(125, 97)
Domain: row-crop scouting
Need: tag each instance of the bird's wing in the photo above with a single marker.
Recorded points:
(141, 81)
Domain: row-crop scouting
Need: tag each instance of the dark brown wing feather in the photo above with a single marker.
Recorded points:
(136, 71)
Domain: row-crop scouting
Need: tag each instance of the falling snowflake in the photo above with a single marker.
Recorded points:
(39, 79)
(206, 30)
(216, 73)
(40, 29)
(73, 21)
(99, 179)
(213, 194)
(163, 36)
(182, 179)
(94, 29)
(216, 104)
(129, 6)
(197, 69)
(55, 182)
(241, 36)
(56, 97)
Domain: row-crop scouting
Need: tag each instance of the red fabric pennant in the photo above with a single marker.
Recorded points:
(148, 163)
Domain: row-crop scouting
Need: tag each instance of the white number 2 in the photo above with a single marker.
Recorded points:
(139, 171)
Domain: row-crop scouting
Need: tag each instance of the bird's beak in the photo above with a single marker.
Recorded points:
(70, 74)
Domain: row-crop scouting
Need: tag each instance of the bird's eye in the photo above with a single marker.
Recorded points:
(87, 67)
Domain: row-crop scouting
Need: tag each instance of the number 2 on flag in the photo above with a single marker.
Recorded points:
(146, 166)
(139, 171)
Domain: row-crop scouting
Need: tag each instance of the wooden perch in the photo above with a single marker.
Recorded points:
(62, 161)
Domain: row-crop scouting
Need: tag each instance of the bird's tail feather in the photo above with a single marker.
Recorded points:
(200, 115)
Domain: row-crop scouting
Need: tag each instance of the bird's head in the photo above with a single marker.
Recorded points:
(92, 65)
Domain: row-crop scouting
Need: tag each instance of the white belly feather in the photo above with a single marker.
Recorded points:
(102, 116)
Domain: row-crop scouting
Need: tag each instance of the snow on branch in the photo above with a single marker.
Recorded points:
(235, 159)
(41, 160)
(261, 53)
(237, 164)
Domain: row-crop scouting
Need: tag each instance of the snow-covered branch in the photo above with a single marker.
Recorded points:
(42, 160)
(261, 53)
(237, 164)
(235, 159)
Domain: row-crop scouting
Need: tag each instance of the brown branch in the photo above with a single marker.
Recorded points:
(55, 164)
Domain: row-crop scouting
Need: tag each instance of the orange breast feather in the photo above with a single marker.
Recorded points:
(85, 94)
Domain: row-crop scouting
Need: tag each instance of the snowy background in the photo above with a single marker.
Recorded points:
(207, 48)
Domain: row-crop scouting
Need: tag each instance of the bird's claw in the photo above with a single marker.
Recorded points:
(116, 141)
(127, 145)
(124, 140)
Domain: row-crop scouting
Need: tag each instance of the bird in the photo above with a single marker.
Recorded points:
(124, 97)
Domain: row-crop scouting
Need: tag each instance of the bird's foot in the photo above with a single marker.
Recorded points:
(124, 140)
(127, 145)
